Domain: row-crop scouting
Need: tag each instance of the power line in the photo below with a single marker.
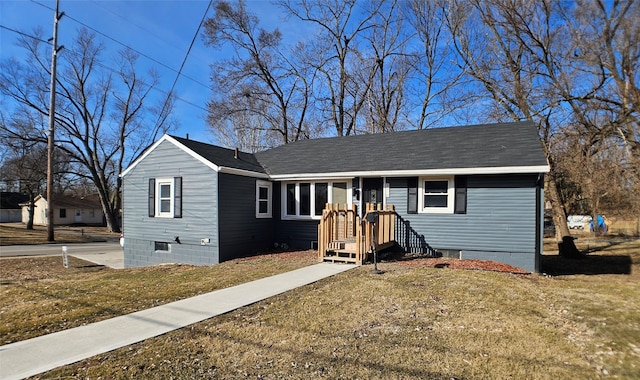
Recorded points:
(24, 34)
(131, 22)
(129, 47)
(204, 16)
(104, 66)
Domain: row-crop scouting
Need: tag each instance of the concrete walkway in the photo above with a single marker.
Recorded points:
(31, 357)
(112, 257)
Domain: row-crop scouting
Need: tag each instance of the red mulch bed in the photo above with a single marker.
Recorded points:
(442, 262)
(439, 262)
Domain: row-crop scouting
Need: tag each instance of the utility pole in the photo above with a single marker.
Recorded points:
(52, 117)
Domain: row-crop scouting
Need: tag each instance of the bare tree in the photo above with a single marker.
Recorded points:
(25, 164)
(386, 48)
(102, 110)
(592, 72)
(261, 80)
(28, 170)
(488, 40)
(344, 75)
(436, 87)
(595, 166)
(239, 124)
(606, 41)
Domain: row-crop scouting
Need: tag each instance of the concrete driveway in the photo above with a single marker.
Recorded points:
(109, 254)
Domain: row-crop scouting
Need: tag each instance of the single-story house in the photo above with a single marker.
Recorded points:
(10, 210)
(67, 210)
(473, 192)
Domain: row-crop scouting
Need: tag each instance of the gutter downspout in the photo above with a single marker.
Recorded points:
(539, 221)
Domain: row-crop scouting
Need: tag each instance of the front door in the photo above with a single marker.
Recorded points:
(372, 190)
(78, 215)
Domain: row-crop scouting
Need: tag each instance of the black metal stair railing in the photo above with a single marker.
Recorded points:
(410, 240)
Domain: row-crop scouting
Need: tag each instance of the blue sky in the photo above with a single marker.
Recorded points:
(159, 29)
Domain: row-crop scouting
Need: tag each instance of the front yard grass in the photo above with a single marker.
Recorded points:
(15, 234)
(410, 322)
(40, 296)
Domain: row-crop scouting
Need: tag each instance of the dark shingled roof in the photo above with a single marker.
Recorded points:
(478, 146)
(11, 200)
(467, 147)
(69, 201)
(223, 156)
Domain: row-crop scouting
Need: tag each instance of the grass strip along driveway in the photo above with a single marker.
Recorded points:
(412, 321)
(17, 234)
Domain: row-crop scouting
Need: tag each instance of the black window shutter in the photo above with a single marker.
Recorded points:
(152, 197)
(461, 195)
(412, 195)
(177, 197)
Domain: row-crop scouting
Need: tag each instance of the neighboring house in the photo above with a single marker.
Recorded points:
(10, 210)
(474, 192)
(67, 210)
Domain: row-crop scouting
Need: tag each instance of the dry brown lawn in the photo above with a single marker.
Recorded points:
(16, 234)
(411, 322)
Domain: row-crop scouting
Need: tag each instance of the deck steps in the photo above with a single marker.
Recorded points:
(341, 251)
(343, 236)
(348, 254)
(342, 245)
(340, 259)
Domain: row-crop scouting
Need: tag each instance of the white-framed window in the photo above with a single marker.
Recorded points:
(307, 199)
(165, 197)
(437, 195)
(264, 196)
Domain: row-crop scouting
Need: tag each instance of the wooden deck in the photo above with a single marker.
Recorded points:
(344, 237)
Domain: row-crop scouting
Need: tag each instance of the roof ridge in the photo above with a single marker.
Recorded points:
(475, 148)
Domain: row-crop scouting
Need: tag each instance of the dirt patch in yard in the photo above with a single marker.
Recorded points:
(466, 264)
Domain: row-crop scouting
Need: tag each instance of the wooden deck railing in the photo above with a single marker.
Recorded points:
(344, 236)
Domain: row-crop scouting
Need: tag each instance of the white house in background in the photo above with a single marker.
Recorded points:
(67, 210)
(10, 210)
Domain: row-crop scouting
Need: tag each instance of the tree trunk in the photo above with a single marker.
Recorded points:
(559, 215)
(110, 212)
(566, 245)
(32, 207)
(111, 218)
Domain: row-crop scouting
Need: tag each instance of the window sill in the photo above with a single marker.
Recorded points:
(305, 217)
(436, 211)
(167, 216)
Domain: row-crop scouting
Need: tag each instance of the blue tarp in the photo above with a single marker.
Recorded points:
(602, 226)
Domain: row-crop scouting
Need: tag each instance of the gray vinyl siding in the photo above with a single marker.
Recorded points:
(241, 233)
(500, 223)
(199, 211)
(297, 234)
